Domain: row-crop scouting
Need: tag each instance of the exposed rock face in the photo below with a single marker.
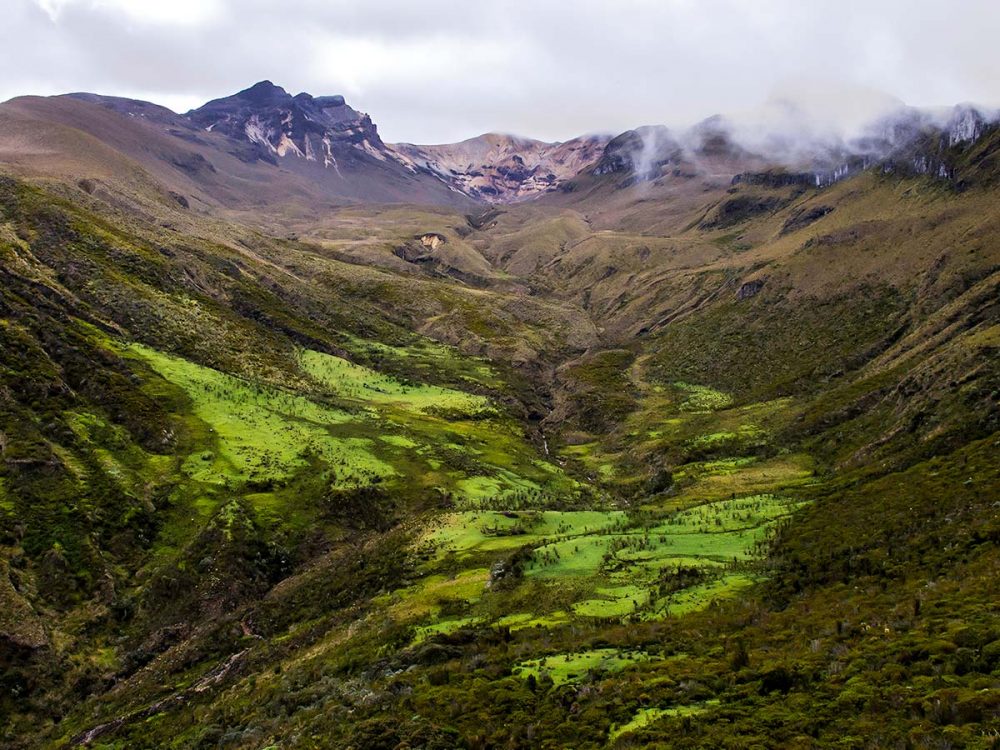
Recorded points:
(502, 168)
(642, 152)
(966, 124)
(308, 127)
(324, 129)
(750, 289)
(421, 250)
(432, 240)
(775, 179)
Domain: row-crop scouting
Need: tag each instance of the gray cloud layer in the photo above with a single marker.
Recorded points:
(440, 70)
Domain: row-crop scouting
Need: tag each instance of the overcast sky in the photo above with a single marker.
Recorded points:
(441, 70)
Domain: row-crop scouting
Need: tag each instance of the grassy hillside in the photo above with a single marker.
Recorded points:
(685, 465)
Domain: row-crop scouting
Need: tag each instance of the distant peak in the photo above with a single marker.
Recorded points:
(263, 92)
(264, 85)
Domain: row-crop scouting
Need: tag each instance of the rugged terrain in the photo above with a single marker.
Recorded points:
(658, 440)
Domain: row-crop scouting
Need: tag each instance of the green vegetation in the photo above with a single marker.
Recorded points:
(646, 716)
(265, 433)
(249, 498)
(573, 667)
(355, 382)
(703, 398)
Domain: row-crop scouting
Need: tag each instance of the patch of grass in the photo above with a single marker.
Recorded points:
(350, 381)
(265, 433)
(430, 594)
(615, 601)
(573, 667)
(442, 627)
(479, 489)
(744, 437)
(428, 359)
(493, 530)
(699, 597)
(713, 480)
(608, 564)
(702, 398)
(400, 441)
(728, 515)
(646, 716)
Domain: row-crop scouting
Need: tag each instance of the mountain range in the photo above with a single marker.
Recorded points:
(224, 151)
(667, 438)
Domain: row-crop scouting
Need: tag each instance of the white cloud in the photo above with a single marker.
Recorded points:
(440, 70)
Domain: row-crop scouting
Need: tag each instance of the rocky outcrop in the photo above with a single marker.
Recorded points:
(497, 168)
(642, 152)
(775, 179)
(967, 124)
(281, 125)
(749, 289)
(432, 240)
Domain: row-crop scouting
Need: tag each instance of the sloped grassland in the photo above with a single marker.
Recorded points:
(245, 503)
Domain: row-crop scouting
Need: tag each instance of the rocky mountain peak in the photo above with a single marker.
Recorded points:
(264, 93)
(316, 129)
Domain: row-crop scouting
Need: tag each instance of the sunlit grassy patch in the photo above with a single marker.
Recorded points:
(571, 557)
(727, 515)
(616, 601)
(425, 356)
(525, 620)
(504, 488)
(351, 381)
(264, 433)
(688, 547)
(428, 595)
(698, 597)
(610, 564)
(400, 441)
(646, 716)
(563, 668)
(702, 398)
(743, 436)
(442, 627)
(491, 530)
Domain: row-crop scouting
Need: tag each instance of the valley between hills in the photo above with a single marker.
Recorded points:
(311, 441)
